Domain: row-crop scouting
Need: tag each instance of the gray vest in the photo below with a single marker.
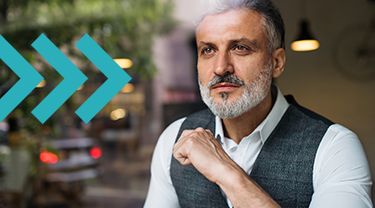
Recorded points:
(283, 168)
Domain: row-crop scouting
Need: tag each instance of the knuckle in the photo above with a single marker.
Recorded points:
(190, 142)
(185, 132)
(193, 134)
(175, 154)
(200, 129)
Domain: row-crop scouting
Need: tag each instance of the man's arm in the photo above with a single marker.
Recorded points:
(161, 192)
(200, 149)
(341, 173)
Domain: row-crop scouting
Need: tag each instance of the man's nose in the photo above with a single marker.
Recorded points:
(223, 65)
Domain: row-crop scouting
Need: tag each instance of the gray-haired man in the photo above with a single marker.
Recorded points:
(253, 148)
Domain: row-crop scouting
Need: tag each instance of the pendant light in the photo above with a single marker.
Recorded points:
(305, 41)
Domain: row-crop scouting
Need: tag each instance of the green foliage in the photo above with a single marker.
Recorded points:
(122, 28)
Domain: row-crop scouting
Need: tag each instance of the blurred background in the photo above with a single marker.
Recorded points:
(105, 163)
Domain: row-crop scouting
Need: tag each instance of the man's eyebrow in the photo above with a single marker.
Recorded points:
(252, 43)
(209, 44)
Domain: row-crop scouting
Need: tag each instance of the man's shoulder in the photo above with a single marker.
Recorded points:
(309, 113)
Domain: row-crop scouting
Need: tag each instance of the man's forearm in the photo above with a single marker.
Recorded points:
(242, 191)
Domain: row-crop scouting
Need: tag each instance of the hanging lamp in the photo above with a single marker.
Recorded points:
(305, 40)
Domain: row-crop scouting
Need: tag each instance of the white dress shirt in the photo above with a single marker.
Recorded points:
(341, 175)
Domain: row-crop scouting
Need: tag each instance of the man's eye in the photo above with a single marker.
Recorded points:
(240, 48)
(207, 50)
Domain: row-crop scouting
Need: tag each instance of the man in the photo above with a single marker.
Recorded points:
(253, 148)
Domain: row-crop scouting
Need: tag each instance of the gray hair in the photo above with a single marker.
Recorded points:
(272, 20)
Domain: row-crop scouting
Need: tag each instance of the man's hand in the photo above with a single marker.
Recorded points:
(200, 148)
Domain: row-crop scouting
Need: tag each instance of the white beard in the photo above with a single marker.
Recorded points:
(254, 93)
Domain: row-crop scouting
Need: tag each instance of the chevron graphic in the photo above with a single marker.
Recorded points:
(117, 78)
(29, 78)
(73, 78)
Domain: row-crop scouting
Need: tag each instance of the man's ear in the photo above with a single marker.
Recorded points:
(278, 58)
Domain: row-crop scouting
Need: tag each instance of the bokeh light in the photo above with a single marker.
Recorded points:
(118, 114)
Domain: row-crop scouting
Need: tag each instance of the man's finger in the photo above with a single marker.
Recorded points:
(185, 133)
(180, 140)
(209, 132)
(181, 158)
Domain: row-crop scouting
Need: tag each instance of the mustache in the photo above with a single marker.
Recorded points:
(228, 78)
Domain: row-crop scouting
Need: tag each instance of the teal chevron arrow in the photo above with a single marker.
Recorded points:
(73, 78)
(117, 78)
(29, 78)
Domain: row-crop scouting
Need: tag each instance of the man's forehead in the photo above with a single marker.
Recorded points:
(235, 21)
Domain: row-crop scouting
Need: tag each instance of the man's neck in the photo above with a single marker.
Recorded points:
(243, 125)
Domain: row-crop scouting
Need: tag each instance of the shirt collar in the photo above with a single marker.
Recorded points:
(268, 124)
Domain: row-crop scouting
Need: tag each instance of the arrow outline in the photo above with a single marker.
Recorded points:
(73, 78)
(29, 78)
(117, 78)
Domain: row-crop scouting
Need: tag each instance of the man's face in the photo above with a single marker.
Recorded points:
(233, 43)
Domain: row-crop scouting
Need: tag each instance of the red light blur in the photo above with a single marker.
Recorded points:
(48, 157)
(95, 152)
